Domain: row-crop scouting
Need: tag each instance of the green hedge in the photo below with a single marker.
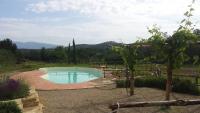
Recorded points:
(12, 89)
(178, 85)
(9, 107)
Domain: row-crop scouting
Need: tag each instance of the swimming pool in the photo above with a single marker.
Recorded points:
(70, 75)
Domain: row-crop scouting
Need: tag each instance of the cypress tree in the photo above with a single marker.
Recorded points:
(69, 54)
(74, 52)
(43, 54)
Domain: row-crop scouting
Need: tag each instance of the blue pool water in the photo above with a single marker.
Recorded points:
(70, 75)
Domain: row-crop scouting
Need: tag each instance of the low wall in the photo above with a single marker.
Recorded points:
(30, 104)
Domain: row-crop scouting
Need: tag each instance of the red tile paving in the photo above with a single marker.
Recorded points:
(34, 79)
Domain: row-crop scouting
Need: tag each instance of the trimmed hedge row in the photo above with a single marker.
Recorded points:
(12, 89)
(178, 85)
(9, 107)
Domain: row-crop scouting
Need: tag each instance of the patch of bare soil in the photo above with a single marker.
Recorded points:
(96, 100)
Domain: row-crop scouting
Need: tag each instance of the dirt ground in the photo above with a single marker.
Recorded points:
(96, 100)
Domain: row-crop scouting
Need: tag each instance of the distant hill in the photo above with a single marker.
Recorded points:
(103, 45)
(33, 45)
(37, 45)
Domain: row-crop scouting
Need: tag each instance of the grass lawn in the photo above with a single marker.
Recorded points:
(142, 69)
(31, 65)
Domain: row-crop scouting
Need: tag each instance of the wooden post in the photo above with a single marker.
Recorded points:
(103, 68)
(104, 73)
(155, 103)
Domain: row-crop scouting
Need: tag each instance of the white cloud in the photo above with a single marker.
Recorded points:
(118, 20)
(127, 8)
(90, 32)
(160, 12)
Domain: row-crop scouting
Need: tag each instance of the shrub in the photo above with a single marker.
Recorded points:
(9, 107)
(122, 84)
(12, 89)
(185, 86)
(178, 85)
(7, 57)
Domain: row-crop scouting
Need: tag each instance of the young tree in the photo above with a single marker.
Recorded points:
(171, 49)
(74, 53)
(129, 54)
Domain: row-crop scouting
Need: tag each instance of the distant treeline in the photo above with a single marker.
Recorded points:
(82, 55)
(9, 54)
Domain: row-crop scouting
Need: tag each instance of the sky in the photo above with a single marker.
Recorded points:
(90, 21)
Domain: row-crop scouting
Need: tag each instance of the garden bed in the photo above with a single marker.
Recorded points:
(29, 104)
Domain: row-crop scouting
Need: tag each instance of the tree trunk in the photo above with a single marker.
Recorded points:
(154, 103)
(169, 82)
(132, 84)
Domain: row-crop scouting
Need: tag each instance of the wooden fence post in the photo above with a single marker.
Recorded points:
(196, 80)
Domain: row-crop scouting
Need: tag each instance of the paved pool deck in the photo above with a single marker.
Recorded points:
(34, 79)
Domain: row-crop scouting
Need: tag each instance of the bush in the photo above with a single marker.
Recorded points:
(7, 57)
(9, 107)
(178, 85)
(154, 82)
(185, 86)
(12, 89)
(122, 84)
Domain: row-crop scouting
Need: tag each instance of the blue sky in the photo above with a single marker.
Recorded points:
(89, 21)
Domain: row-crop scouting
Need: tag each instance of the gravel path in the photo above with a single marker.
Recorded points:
(96, 100)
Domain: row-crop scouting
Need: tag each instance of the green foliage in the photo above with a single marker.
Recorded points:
(157, 42)
(195, 60)
(9, 107)
(176, 46)
(113, 58)
(185, 86)
(43, 54)
(197, 32)
(7, 57)
(129, 55)
(171, 49)
(179, 85)
(33, 54)
(154, 82)
(8, 45)
(60, 54)
(186, 23)
(12, 89)
(11, 52)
